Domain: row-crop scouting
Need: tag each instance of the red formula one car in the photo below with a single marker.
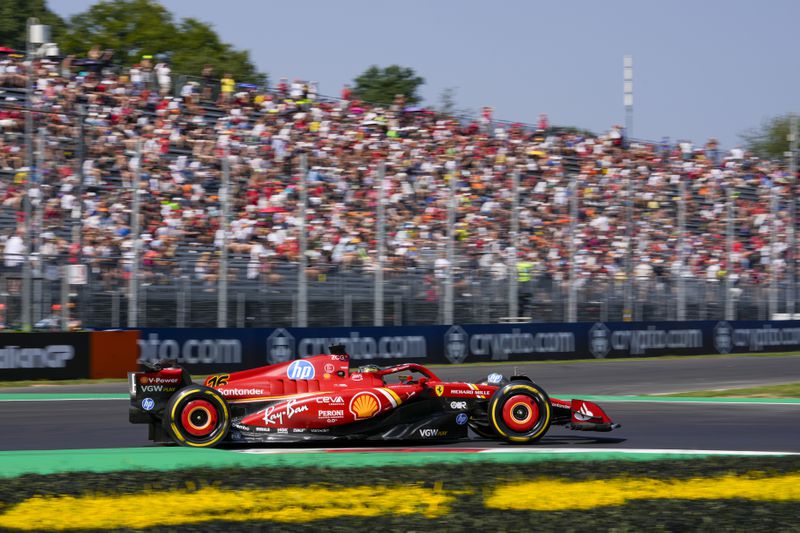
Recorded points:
(321, 398)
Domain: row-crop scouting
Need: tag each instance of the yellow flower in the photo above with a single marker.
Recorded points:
(555, 495)
(172, 508)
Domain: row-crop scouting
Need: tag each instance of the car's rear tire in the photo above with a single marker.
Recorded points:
(520, 412)
(197, 416)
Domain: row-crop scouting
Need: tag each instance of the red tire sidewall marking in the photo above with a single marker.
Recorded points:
(205, 429)
(515, 401)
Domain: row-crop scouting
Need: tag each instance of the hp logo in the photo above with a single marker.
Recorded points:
(300, 369)
(148, 404)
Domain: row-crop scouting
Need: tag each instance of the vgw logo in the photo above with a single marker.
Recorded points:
(280, 347)
(300, 369)
(455, 345)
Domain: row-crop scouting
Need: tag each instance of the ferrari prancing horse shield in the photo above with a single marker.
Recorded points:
(439, 390)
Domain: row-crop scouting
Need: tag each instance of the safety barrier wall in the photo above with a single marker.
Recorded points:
(111, 354)
(97, 354)
(206, 350)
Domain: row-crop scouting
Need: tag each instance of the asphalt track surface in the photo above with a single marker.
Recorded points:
(38, 425)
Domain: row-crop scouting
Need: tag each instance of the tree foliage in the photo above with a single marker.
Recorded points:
(770, 140)
(381, 85)
(14, 15)
(448, 105)
(133, 28)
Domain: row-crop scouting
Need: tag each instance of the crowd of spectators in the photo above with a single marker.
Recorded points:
(183, 132)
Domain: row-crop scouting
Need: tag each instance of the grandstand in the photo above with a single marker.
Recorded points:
(179, 138)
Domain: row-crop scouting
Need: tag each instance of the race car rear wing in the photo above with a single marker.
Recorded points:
(151, 390)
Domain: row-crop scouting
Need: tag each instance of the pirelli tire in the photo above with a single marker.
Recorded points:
(520, 412)
(197, 416)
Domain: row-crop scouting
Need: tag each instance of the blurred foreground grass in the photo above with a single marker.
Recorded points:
(715, 494)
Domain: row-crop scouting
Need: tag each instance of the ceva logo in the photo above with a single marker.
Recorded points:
(300, 369)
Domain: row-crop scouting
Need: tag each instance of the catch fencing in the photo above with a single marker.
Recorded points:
(185, 293)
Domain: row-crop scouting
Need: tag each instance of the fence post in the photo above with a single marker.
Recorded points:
(240, 309)
(773, 255)
(180, 306)
(447, 315)
(222, 289)
(115, 309)
(302, 279)
(627, 312)
(729, 312)
(347, 310)
(681, 281)
(513, 277)
(398, 310)
(380, 252)
(792, 227)
(65, 297)
(133, 281)
(573, 168)
(143, 307)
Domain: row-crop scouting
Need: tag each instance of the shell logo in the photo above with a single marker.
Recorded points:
(364, 405)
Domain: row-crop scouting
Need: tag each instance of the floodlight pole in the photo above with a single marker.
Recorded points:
(627, 88)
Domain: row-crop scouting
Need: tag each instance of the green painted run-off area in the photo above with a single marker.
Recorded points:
(16, 463)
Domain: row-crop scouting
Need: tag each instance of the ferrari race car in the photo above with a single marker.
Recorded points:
(321, 398)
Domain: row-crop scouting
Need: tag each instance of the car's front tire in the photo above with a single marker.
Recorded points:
(197, 416)
(520, 412)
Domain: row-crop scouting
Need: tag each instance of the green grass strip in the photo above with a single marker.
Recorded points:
(784, 390)
(17, 463)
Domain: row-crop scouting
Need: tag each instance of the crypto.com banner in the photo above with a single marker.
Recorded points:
(207, 350)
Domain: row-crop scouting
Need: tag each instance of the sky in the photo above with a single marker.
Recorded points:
(702, 68)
